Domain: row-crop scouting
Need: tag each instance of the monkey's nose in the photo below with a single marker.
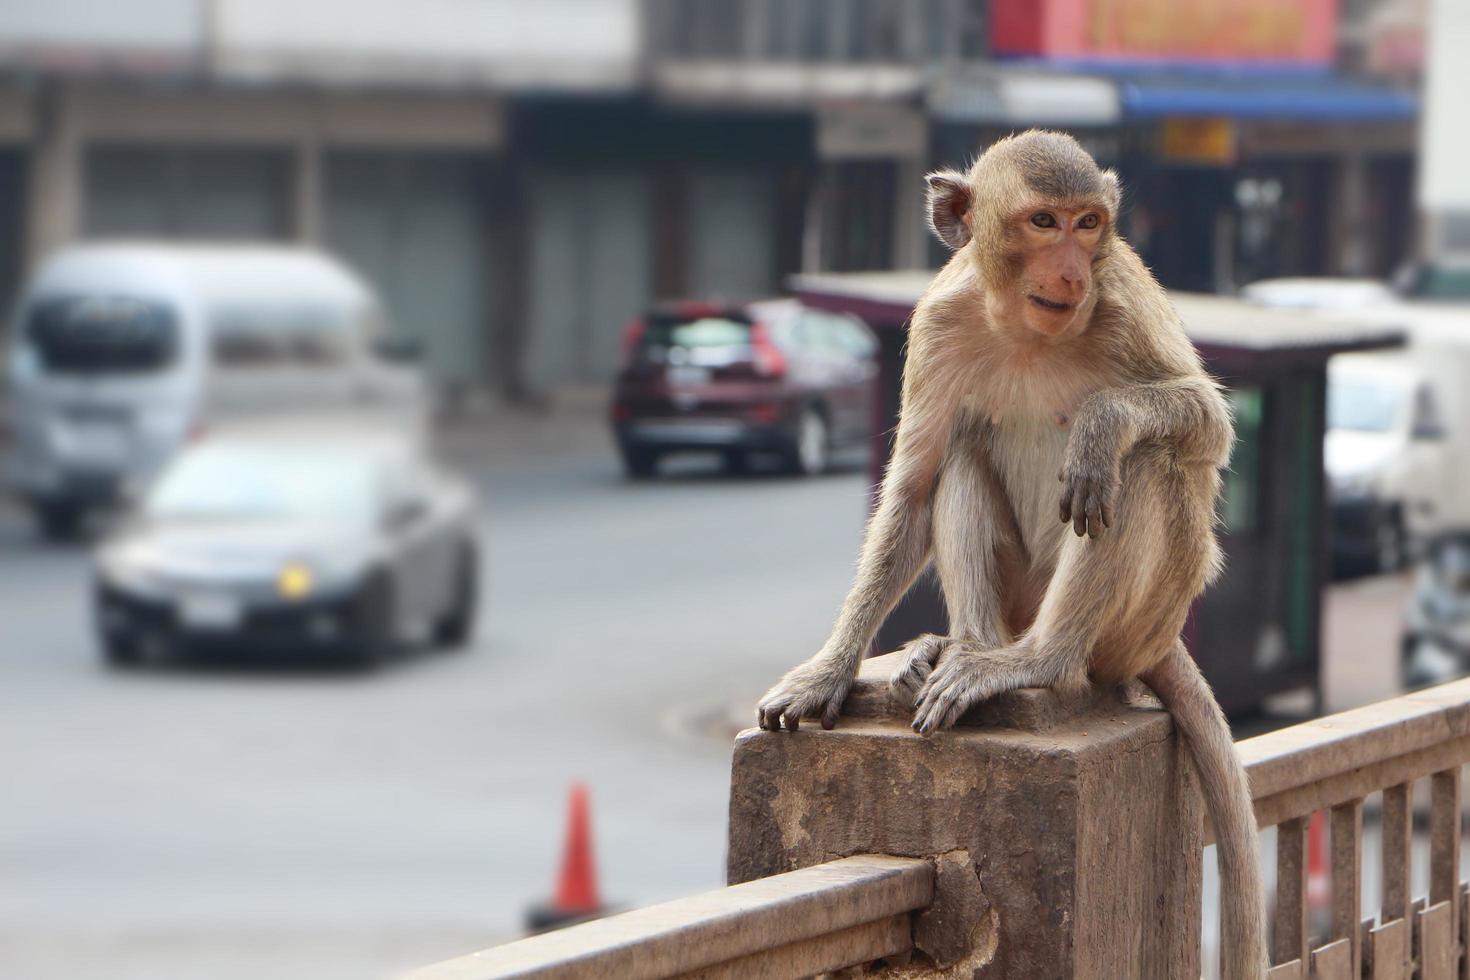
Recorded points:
(1073, 287)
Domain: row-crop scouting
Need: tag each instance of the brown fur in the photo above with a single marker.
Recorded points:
(1049, 383)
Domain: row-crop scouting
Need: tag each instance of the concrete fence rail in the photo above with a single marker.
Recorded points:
(849, 911)
(1043, 837)
(1333, 764)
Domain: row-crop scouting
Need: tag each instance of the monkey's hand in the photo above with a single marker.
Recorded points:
(967, 675)
(816, 688)
(1089, 481)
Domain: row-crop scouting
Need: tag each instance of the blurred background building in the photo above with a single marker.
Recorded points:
(522, 179)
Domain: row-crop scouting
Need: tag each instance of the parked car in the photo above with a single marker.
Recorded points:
(1385, 456)
(120, 352)
(770, 377)
(1386, 453)
(281, 540)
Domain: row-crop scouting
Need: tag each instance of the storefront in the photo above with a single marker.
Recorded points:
(1244, 153)
(627, 201)
(398, 185)
(1241, 179)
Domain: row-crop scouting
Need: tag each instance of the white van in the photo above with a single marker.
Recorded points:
(1385, 456)
(120, 352)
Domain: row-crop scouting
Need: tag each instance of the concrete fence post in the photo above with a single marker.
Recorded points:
(1066, 832)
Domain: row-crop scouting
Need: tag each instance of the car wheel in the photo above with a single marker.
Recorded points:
(374, 637)
(122, 649)
(58, 521)
(120, 645)
(1389, 544)
(811, 445)
(639, 463)
(453, 630)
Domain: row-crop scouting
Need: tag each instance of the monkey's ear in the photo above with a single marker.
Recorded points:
(949, 202)
(1112, 191)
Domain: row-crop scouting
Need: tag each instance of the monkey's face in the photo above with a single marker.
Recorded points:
(1051, 249)
(1035, 261)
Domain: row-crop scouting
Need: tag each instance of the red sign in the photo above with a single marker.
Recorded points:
(1298, 32)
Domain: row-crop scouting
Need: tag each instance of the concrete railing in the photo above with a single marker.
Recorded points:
(849, 911)
(1044, 837)
(1334, 764)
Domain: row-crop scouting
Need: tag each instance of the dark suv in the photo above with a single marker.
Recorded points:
(770, 377)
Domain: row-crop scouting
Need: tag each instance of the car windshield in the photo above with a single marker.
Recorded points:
(1364, 405)
(708, 331)
(247, 483)
(103, 334)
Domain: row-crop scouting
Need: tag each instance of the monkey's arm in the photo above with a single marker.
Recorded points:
(1188, 414)
(895, 548)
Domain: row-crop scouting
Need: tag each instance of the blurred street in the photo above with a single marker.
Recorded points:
(255, 820)
(250, 820)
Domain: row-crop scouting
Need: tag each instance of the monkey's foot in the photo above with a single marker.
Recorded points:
(816, 688)
(969, 675)
(918, 658)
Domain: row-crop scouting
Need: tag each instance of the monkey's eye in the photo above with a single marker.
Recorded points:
(1088, 221)
(1044, 219)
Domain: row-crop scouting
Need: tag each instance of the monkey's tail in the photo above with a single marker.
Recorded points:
(1185, 692)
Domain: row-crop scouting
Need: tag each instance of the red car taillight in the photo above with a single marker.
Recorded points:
(769, 360)
(632, 334)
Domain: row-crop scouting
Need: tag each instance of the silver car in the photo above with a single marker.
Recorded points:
(321, 539)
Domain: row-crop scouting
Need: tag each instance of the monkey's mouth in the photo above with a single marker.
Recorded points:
(1047, 304)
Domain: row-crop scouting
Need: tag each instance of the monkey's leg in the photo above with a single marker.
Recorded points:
(1112, 601)
(896, 548)
(975, 544)
(896, 544)
(1053, 653)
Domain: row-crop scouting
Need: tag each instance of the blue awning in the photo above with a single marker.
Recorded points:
(1324, 98)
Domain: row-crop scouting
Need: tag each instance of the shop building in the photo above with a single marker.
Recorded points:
(519, 180)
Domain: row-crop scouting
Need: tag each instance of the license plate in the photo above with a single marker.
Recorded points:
(210, 611)
(103, 442)
(684, 375)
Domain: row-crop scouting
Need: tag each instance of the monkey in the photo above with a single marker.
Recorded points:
(1057, 456)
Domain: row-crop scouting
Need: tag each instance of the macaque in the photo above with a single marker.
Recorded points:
(1057, 456)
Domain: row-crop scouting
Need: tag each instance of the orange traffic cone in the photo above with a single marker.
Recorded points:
(576, 898)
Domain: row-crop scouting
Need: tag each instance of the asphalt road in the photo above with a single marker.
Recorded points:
(260, 820)
(255, 820)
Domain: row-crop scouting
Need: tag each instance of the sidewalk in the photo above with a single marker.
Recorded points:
(1362, 621)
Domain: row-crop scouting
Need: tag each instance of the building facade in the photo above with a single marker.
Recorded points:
(519, 180)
